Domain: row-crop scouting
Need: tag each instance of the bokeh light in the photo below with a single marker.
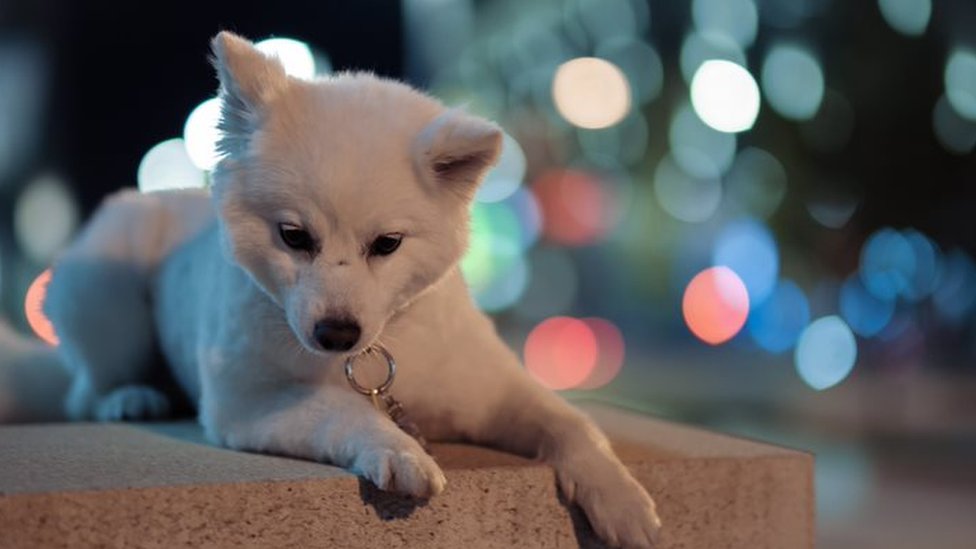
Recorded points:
(34, 308)
(625, 142)
(506, 177)
(610, 353)
(747, 247)
(864, 312)
(528, 213)
(927, 266)
(792, 82)
(639, 61)
(505, 286)
(787, 14)
(715, 305)
(756, 182)
(825, 353)
(45, 217)
(956, 134)
(591, 92)
(955, 290)
(737, 19)
(683, 196)
(699, 149)
(960, 82)
(887, 263)
(200, 134)
(776, 323)
(725, 96)
(561, 352)
(577, 208)
(605, 19)
(295, 55)
(698, 48)
(494, 266)
(832, 208)
(909, 17)
(168, 166)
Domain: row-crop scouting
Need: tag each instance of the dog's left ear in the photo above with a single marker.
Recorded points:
(249, 81)
(456, 150)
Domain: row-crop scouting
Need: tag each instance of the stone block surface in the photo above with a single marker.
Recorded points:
(161, 485)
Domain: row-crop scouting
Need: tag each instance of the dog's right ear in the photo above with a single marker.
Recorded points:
(456, 149)
(249, 80)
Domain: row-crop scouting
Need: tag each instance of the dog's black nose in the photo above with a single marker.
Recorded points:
(336, 334)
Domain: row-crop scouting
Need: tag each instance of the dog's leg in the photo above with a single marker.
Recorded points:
(490, 399)
(326, 424)
(100, 310)
(530, 420)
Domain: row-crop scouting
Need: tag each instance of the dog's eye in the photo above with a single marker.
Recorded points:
(385, 244)
(296, 237)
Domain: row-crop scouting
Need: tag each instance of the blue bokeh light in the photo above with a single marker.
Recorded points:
(927, 266)
(887, 263)
(955, 292)
(866, 313)
(776, 324)
(748, 248)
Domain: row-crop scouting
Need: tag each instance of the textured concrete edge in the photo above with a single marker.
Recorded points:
(706, 502)
(761, 502)
(502, 508)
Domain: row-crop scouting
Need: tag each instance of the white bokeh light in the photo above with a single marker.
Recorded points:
(699, 47)
(45, 217)
(793, 82)
(591, 93)
(167, 166)
(200, 134)
(960, 82)
(725, 96)
(295, 55)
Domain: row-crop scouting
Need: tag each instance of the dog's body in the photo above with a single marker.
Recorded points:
(336, 222)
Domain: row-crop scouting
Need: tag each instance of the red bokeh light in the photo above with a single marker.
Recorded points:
(715, 305)
(576, 207)
(561, 352)
(33, 308)
(610, 353)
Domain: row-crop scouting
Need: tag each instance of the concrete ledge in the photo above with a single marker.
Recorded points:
(161, 486)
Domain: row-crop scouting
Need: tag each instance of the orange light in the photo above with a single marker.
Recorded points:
(715, 305)
(561, 352)
(610, 357)
(575, 207)
(34, 308)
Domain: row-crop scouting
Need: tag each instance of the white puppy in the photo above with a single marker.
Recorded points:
(337, 218)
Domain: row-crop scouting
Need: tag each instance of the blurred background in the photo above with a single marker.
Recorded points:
(758, 216)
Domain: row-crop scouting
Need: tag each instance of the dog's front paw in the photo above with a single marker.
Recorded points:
(617, 506)
(132, 402)
(405, 470)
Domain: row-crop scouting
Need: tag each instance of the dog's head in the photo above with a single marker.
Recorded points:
(344, 198)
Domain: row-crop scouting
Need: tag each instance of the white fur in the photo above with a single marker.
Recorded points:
(232, 308)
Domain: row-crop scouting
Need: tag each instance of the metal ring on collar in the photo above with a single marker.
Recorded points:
(391, 371)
